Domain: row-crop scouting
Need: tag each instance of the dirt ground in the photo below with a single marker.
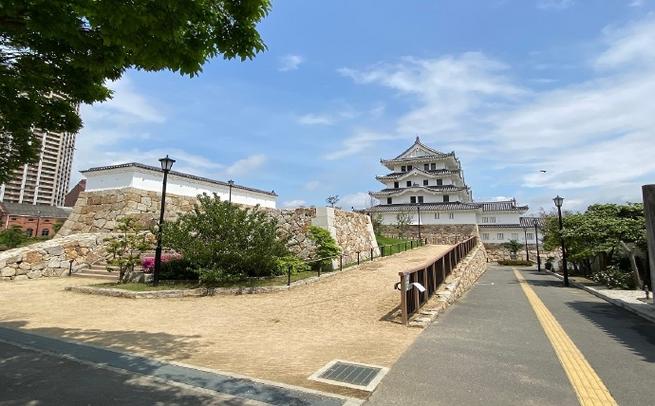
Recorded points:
(283, 336)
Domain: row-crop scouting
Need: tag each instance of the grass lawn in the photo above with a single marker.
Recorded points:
(397, 244)
(167, 285)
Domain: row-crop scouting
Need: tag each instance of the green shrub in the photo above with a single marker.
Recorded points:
(12, 237)
(178, 269)
(225, 242)
(614, 278)
(326, 247)
(297, 265)
(516, 262)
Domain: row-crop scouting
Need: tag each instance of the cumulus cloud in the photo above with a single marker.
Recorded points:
(357, 200)
(316, 119)
(294, 203)
(290, 62)
(356, 143)
(248, 164)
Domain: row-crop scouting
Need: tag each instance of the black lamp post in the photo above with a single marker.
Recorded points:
(418, 211)
(38, 222)
(536, 242)
(558, 203)
(525, 238)
(230, 183)
(166, 165)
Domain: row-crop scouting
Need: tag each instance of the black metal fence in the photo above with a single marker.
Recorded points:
(342, 261)
(419, 284)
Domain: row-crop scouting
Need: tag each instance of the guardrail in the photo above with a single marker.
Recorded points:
(419, 284)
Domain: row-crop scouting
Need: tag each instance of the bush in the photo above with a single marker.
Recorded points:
(297, 265)
(326, 246)
(614, 278)
(12, 237)
(177, 269)
(225, 242)
(517, 262)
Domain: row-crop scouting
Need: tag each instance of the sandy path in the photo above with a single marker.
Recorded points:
(284, 336)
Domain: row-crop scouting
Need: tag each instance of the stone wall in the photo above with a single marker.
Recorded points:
(94, 218)
(435, 233)
(496, 252)
(52, 257)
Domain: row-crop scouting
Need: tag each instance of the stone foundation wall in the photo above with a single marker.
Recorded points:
(52, 257)
(496, 252)
(435, 233)
(94, 218)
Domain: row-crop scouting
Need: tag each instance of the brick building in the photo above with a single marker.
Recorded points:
(35, 220)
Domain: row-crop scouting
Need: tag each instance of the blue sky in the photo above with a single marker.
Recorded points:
(512, 86)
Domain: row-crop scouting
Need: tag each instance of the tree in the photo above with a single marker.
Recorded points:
(124, 250)
(12, 237)
(326, 246)
(513, 247)
(376, 221)
(223, 241)
(403, 221)
(332, 200)
(603, 229)
(57, 54)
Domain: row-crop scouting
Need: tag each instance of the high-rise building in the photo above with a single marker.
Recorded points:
(46, 181)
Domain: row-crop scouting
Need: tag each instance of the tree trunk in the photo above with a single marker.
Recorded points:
(633, 264)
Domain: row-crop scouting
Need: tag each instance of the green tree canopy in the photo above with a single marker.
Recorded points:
(57, 54)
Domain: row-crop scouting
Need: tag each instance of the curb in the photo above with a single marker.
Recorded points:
(615, 302)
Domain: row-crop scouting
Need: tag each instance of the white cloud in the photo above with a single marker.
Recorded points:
(554, 4)
(316, 119)
(248, 164)
(637, 3)
(294, 203)
(290, 62)
(127, 103)
(357, 200)
(597, 133)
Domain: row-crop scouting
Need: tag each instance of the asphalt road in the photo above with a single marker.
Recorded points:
(490, 349)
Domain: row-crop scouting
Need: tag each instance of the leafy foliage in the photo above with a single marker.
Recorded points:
(332, 200)
(602, 230)
(326, 246)
(12, 237)
(376, 221)
(57, 54)
(403, 220)
(513, 246)
(614, 278)
(124, 249)
(224, 242)
(296, 264)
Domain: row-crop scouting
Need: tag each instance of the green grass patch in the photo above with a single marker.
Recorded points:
(393, 245)
(144, 287)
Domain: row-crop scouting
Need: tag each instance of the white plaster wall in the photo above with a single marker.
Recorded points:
(147, 180)
(427, 217)
(508, 234)
(501, 218)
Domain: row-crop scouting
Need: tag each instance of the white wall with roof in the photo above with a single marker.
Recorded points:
(144, 179)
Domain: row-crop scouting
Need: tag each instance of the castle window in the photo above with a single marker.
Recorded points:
(485, 236)
(446, 198)
(396, 185)
(436, 216)
(409, 168)
(433, 166)
(439, 182)
(451, 216)
(29, 232)
(420, 199)
(412, 199)
(402, 169)
(409, 183)
(500, 236)
(45, 232)
(389, 200)
(530, 236)
(426, 167)
(425, 182)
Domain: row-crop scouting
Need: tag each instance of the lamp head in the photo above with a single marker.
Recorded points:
(166, 163)
(558, 201)
(230, 182)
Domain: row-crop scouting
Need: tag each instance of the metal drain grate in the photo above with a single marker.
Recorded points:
(350, 374)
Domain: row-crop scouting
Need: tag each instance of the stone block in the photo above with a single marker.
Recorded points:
(56, 250)
(20, 278)
(34, 274)
(7, 271)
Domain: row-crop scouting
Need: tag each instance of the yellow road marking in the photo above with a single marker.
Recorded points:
(588, 387)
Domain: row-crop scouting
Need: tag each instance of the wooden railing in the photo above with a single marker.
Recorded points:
(419, 284)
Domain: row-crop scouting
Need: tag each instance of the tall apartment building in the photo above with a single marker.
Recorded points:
(46, 181)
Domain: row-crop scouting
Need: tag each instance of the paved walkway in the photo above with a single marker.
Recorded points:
(502, 344)
(42, 370)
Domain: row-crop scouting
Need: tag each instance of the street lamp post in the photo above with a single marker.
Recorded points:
(418, 211)
(525, 238)
(230, 183)
(38, 222)
(536, 243)
(166, 165)
(558, 203)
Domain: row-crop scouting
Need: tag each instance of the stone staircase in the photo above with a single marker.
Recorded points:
(97, 271)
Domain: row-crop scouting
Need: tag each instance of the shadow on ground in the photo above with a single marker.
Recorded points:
(631, 331)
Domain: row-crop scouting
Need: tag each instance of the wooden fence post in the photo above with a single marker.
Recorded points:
(403, 298)
(648, 192)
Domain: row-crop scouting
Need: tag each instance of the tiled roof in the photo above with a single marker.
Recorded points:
(507, 205)
(429, 172)
(425, 206)
(447, 188)
(25, 209)
(529, 221)
(180, 174)
(499, 225)
(420, 144)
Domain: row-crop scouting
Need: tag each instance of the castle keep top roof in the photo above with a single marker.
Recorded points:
(428, 154)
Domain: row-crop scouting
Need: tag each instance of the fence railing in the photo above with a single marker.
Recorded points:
(419, 284)
(341, 261)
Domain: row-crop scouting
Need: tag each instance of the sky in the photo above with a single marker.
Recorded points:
(514, 87)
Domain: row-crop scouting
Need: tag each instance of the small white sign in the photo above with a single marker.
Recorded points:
(408, 286)
(419, 287)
